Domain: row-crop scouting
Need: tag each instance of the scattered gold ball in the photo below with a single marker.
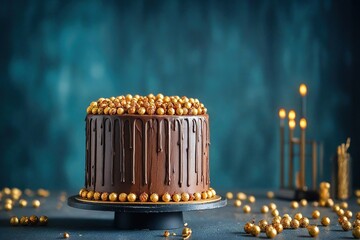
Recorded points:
(344, 205)
(247, 209)
(255, 230)
(270, 194)
(262, 224)
(330, 202)
(24, 221)
(43, 220)
(252, 199)
(185, 196)
(276, 219)
(176, 197)
(324, 185)
(358, 215)
(154, 197)
(97, 196)
(248, 227)
(348, 214)
(325, 221)
(275, 212)
(272, 206)
(271, 232)
(166, 233)
(279, 227)
(303, 202)
(264, 209)
(346, 226)
(229, 195)
(336, 207)
(166, 197)
(66, 235)
(295, 223)
(22, 203)
(342, 219)
(9, 201)
(104, 196)
(6, 191)
(33, 220)
(304, 222)
(241, 196)
(287, 216)
(356, 232)
(315, 214)
(122, 197)
(14, 221)
(298, 216)
(313, 231)
(186, 232)
(131, 197)
(8, 206)
(237, 203)
(294, 204)
(197, 196)
(341, 212)
(356, 223)
(286, 223)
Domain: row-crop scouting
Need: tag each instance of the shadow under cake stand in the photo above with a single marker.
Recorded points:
(138, 215)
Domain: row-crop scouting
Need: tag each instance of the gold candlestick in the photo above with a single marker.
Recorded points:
(303, 125)
(303, 92)
(282, 115)
(314, 164)
(292, 125)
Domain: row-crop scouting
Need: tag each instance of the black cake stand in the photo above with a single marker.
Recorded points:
(147, 215)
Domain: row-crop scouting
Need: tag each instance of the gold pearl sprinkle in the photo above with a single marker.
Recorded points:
(356, 232)
(185, 197)
(313, 231)
(8, 206)
(197, 196)
(113, 197)
(33, 220)
(66, 235)
(176, 197)
(131, 197)
(14, 221)
(294, 204)
(97, 196)
(154, 197)
(166, 233)
(264, 209)
(122, 197)
(247, 209)
(315, 214)
(237, 203)
(24, 221)
(325, 221)
(43, 220)
(36, 203)
(229, 195)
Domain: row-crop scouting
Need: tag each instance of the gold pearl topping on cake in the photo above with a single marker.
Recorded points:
(147, 105)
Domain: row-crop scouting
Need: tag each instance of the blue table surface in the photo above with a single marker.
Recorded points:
(222, 223)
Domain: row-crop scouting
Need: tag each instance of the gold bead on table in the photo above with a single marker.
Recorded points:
(255, 230)
(325, 221)
(43, 220)
(303, 202)
(66, 235)
(131, 197)
(348, 214)
(247, 209)
(154, 197)
(346, 226)
(271, 232)
(286, 222)
(113, 197)
(342, 219)
(14, 221)
(279, 227)
(237, 203)
(313, 231)
(270, 194)
(264, 209)
(344, 205)
(315, 214)
(340, 212)
(166, 197)
(122, 197)
(24, 221)
(97, 196)
(356, 232)
(251, 199)
(33, 220)
(295, 224)
(241, 196)
(356, 223)
(186, 232)
(248, 227)
(294, 204)
(276, 219)
(358, 215)
(275, 212)
(304, 222)
(166, 233)
(185, 197)
(229, 195)
(262, 224)
(272, 206)
(104, 196)
(36, 203)
(8, 206)
(197, 196)
(298, 216)
(176, 197)
(22, 203)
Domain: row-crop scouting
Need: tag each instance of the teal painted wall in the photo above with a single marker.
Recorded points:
(243, 59)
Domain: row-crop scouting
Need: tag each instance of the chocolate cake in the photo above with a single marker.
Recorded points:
(152, 148)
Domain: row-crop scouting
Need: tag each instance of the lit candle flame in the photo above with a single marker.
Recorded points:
(303, 123)
(292, 124)
(292, 115)
(282, 113)
(303, 89)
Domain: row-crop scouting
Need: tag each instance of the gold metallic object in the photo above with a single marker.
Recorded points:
(255, 230)
(348, 214)
(185, 196)
(315, 214)
(356, 223)
(90, 195)
(275, 213)
(304, 222)
(104, 196)
(122, 197)
(237, 203)
(285, 222)
(313, 231)
(358, 215)
(298, 216)
(204, 195)
(276, 219)
(302, 89)
(166, 197)
(66, 235)
(33, 220)
(241, 196)
(344, 205)
(356, 232)
(294, 204)
(43, 193)
(6, 191)
(247, 209)
(176, 197)
(279, 227)
(346, 226)
(43, 220)
(229, 195)
(131, 197)
(154, 197)
(209, 193)
(264, 209)
(270, 194)
(342, 219)
(248, 226)
(197, 196)
(251, 199)
(22, 203)
(97, 196)
(271, 232)
(186, 232)
(325, 221)
(303, 202)
(272, 206)
(36, 203)
(84, 193)
(14, 221)
(166, 233)
(113, 197)
(144, 197)
(8, 206)
(24, 221)
(294, 223)
(262, 224)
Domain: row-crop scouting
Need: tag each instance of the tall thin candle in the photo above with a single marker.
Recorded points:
(282, 115)
(303, 125)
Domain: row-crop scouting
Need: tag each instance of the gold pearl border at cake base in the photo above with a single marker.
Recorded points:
(145, 198)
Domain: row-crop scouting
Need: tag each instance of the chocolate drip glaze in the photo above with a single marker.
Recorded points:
(142, 153)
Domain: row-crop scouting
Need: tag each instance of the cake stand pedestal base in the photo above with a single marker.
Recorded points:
(138, 215)
(297, 194)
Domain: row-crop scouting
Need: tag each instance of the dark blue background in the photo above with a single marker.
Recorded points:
(243, 59)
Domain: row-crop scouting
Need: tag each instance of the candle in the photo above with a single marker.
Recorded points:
(282, 115)
(303, 92)
(292, 125)
(303, 125)
(314, 164)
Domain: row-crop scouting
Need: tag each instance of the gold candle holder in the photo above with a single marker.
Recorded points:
(282, 115)
(303, 125)
(314, 165)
